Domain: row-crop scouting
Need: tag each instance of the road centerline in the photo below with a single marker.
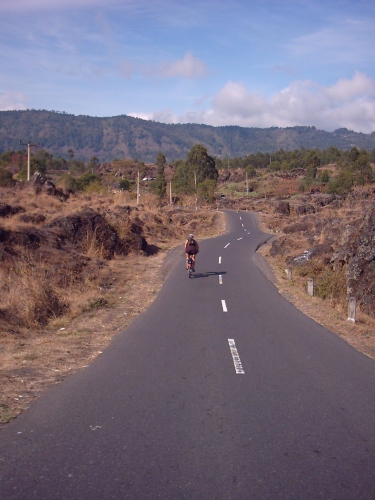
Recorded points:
(227, 245)
(236, 359)
(224, 306)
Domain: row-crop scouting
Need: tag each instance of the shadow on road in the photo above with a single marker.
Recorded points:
(208, 274)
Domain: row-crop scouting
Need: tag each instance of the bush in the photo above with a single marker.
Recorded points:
(331, 285)
(67, 183)
(85, 180)
(5, 177)
(124, 184)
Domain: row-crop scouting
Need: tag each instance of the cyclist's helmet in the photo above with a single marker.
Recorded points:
(191, 235)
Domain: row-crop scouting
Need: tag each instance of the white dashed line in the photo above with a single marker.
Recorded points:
(242, 225)
(219, 260)
(238, 239)
(236, 359)
(227, 245)
(224, 306)
(240, 218)
(244, 229)
(220, 279)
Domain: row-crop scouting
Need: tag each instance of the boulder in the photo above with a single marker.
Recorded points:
(282, 207)
(305, 209)
(9, 211)
(357, 253)
(297, 227)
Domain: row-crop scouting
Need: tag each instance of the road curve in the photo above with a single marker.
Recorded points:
(220, 390)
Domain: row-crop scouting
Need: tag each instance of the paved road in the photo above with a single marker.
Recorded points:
(172, 410)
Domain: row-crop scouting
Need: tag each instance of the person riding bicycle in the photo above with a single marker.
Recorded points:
(191, 250)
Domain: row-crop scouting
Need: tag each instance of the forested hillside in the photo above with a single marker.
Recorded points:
(128, 137)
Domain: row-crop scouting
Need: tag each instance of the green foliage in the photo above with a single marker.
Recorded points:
(251, 172)
(324, 177)
(124, 184)
(67, 183)
(92, 164)
(183, 179)
(84, 182)
(76, 167)
(342, 184)
(199, 161)
(198, 167)
(331, 285)
(206, 189)
(159, 185)
(6, 157)
(95, 303)
(362, 169)
(160, 162)
(5, 178)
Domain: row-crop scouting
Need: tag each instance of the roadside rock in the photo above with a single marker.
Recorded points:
(9, 211)
(358, 254)
(315, 251)
(297, 227)
(32, 218)
(305, 209)
(282, 207)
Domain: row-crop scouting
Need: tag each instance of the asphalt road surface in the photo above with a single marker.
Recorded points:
(221, 390)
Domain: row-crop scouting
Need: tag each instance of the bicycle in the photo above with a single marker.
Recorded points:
(190, 266)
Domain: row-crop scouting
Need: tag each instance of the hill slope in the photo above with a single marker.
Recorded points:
(125, 136)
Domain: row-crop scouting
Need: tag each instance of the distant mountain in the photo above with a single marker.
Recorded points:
(127, 137)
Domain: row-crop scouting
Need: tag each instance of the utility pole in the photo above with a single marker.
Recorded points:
(138, 194)
(196, 193)
(170, 193)
(28, 155)
(247, 186)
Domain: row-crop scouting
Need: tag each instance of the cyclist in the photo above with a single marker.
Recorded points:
(191, 250)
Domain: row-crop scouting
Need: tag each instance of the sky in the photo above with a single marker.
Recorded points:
(252, 63)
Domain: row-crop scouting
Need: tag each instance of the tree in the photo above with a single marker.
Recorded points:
(324, 177)
(198, 167)
(362, 169)
(342, 184)
(160, 184)
(199, 161)
(93, 164)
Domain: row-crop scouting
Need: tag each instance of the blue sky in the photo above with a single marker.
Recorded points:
(250, 63)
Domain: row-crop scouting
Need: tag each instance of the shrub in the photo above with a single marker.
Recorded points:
(331, 285)
(95, 303)
(124, 184)
(67, 183)
(86, 179)
(5, 177)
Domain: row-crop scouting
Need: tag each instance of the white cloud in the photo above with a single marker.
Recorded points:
(187, 67)
(348, 103)
(12, 101)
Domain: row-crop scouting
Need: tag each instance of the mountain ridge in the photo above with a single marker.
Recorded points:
(124, 136)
